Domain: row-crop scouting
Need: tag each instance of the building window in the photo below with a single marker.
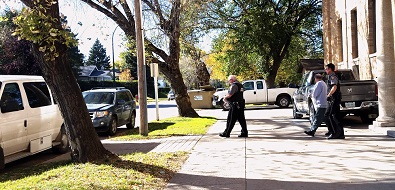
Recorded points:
(340, 39)
(372, 26)
(354, 33)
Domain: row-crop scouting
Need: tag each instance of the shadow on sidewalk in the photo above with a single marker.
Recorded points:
(132, 147)
(185, 181)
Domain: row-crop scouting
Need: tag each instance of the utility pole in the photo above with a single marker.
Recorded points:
(142, 80)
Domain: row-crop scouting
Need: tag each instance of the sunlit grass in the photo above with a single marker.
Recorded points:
(175, 126)
(133, 171)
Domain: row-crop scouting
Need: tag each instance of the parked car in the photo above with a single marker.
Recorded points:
(359, 97)
(256, 92)
(30, 120)
(170, 95)
(110, 108)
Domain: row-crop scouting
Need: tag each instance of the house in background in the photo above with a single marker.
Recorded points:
(91, 73)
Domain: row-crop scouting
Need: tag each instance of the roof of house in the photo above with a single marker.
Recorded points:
(92, 71)
(87, 70)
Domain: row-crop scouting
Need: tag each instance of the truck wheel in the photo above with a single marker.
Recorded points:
(295, 114)
(365, 119)
(63, 147)
(311, 113)
(283, 101)
(112, 127)
(223, 105)
(132, 121)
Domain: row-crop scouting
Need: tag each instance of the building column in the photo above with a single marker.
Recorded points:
(385, 66)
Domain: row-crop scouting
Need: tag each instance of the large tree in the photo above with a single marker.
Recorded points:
(41, 24)
(264, 30)
(165, 18)
(98, 56)
(16, 56)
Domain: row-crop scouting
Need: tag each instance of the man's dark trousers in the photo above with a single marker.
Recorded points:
(236, 112)
(332, 118)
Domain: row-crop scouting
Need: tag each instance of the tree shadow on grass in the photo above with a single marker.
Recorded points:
(151, 127)
(147, 169)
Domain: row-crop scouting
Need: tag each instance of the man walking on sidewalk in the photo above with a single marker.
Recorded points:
(320, 104)
(335, 128)
(236, 111)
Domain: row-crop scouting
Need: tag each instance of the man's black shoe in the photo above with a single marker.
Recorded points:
(243, 135)
(328, 133)
(311, 133)
(332, 136)
(224, 135)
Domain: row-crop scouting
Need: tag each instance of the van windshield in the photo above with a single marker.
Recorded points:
(98, 97)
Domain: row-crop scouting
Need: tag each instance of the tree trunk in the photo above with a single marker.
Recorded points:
(84, 142)
(271, 78)
(174, 76)
(202, 73)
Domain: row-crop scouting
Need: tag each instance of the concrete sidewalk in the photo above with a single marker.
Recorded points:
(278, 155)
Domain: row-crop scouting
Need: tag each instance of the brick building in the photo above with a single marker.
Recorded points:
(359, 35)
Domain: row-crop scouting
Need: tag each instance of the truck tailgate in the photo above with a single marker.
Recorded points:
(364, 90)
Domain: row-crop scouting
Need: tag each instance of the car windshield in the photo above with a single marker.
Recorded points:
(171, 92)
(98, 97)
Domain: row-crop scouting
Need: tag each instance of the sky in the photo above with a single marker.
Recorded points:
(90, 24)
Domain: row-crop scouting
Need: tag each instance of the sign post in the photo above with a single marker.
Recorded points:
(155, 73)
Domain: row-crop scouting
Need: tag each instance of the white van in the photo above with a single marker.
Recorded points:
(30, 120)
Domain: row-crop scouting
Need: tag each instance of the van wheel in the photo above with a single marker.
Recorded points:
(283, 101)
(63, 147)
(132, 121)
(113, 126)
(311, 113)
(2, 161)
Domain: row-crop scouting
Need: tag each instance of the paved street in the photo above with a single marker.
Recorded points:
(278, 155)
(166, 109)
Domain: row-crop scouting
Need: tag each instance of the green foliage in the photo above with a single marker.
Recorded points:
(261, 35)
(98, 56)
(16, 56)
(37, 26)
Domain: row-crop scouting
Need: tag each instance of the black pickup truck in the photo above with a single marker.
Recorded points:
(359, 97)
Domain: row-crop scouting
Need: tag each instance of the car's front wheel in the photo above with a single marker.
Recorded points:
(296, 115)
(311, 113)
(113, 126)
(132, 121)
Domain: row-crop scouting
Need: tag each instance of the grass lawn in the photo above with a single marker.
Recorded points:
(175, 126)
(133, 171)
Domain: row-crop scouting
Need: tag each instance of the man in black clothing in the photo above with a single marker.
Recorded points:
(236, 111)
(335, 128)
